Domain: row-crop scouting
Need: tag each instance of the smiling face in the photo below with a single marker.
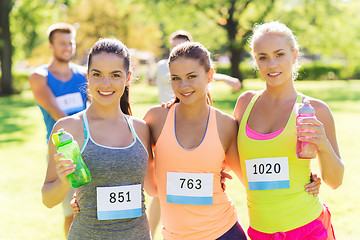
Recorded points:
(274, 58)
(107, 77)
(63, 46)
(189, 80)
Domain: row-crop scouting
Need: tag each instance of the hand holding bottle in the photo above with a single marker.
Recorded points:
(77, 173)
(311, 130)
(304, 148)
(64, 167)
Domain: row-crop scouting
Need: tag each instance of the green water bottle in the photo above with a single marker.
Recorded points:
(66, 145)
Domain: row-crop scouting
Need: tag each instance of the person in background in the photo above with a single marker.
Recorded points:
(115, 147)
(165, 93)
(59, 88)
(277, 204)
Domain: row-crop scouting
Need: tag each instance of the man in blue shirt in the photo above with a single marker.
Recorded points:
(60, 88)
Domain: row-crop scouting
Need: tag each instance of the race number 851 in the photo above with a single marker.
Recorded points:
(120, 197)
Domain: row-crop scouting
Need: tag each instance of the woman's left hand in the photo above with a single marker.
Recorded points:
(313, 187)
(223, 178)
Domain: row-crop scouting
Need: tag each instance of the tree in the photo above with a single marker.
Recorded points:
(238, 18)
(235, 17)
(5, 48)
(124, 20)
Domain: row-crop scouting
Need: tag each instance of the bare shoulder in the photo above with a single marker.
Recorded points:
(322, 111)
(141, 129)
(224, 117)
(226, 123)
(246, 97)
(72, 124)
(139, 124)
(156, 114)
(242, 102)
(38, 76)
(155, 118)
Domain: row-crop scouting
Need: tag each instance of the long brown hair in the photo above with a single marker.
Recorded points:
(111, 45)
(195, 51)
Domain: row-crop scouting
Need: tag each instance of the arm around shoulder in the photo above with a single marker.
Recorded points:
(155, 118)
(144, 134)
(228, 129)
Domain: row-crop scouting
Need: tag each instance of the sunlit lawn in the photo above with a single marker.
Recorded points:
(23, 159)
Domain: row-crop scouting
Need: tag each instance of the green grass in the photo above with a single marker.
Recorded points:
(23, 158)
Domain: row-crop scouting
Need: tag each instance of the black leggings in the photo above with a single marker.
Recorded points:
(235, 233)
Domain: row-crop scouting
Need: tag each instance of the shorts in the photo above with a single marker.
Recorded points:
(235, 233)
(67, 209)
(319, 229)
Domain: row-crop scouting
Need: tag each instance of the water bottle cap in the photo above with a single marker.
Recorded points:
(61, 137)
(306, 108)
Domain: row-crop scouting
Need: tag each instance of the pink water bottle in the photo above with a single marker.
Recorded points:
(305, 150)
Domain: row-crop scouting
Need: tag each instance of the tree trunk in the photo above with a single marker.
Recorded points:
(235, 60)
(231, 27)
(5, 48)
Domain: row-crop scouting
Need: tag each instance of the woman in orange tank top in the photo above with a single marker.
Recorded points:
(193, 142)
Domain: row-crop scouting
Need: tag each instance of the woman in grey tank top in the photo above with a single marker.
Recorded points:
(116, 149)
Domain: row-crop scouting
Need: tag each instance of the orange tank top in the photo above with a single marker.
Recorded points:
(193, 204)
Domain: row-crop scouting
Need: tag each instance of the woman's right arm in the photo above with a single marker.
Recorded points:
(56, 185)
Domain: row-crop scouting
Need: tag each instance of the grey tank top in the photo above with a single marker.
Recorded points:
(110, 166)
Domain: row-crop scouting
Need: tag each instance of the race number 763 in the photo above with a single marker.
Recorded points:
(190, 183)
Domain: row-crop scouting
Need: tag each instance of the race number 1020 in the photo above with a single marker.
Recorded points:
(267, 168)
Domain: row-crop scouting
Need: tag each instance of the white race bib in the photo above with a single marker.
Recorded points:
(268, 173)
(119, 202)
(190, 188)
(70, 103)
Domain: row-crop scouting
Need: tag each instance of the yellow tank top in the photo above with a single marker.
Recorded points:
(275, 178)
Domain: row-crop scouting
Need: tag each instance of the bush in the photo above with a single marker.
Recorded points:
(320, 72)
(312, 71)
(248, 72)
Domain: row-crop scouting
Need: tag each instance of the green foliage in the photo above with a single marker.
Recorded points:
(29, 21)
(178, 14)
(309, 71)
(124, 20)
(317, 71)
(326, 29)
(248, 72)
